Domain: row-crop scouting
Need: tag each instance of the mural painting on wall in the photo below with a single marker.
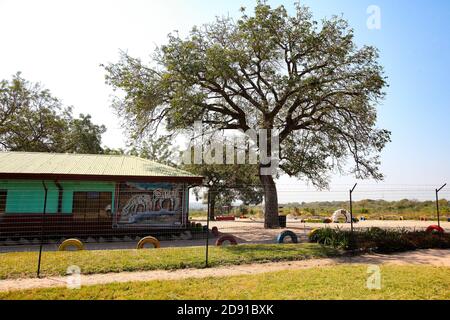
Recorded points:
(150, 204)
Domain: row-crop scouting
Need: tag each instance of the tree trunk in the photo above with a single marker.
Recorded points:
(271, 202)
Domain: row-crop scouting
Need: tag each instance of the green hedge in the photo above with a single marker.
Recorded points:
(380, 240)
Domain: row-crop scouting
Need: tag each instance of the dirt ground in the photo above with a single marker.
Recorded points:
(245, 231)
(423, 257)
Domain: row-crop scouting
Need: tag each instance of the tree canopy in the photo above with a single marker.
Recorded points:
(306, 79)
(32, 119)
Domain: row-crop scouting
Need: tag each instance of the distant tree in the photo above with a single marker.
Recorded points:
(269, 70)
(114, 152)
(159, 149)
(228, 183)
(31, 119)
(83, 136)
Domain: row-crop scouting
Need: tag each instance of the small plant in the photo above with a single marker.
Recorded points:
(312, 221)
(331, 237)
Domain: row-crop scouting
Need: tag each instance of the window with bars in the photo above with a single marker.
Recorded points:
(3, 195)
(92, 203)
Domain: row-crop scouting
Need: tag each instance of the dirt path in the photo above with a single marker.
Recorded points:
(423, 257)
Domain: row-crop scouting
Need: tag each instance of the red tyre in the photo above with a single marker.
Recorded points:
(435, 229)
(226, 238)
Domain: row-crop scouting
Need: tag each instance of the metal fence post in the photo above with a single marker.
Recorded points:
(351, 206)
(42, 229)
(437, 204)
(207, 229)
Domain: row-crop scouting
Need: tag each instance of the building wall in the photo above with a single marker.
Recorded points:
(71, 187)
(26, 196)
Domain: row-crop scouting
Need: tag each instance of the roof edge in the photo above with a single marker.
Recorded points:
(197, 180)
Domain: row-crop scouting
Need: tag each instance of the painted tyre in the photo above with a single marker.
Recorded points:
(148, 240)
(435, 229)
(312, 233)
(287, 234)
(215, 231)
(226, 238)
(74, 243)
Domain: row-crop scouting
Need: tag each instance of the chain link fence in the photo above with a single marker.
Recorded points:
(41, 220)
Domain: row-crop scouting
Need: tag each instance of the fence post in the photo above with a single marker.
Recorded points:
(351, 206)
(207, 228)
(437, 204)
(42, 230)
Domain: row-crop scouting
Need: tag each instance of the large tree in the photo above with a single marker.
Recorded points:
(306, 79)
(32, 119)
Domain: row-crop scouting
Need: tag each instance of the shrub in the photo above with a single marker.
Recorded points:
(244, 211)
(312, 221)
(380, 240)
(331, 237)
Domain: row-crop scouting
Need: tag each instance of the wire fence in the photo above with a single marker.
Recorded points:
(121, 217)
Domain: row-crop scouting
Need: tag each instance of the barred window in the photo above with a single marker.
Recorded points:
(91, 202)
(3, 195)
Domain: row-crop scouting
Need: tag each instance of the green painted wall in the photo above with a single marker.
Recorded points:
(28, 196)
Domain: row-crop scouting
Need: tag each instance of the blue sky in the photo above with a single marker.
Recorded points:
(62, 43)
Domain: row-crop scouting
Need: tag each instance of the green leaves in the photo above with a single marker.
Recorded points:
(269, 69)
(31, 119)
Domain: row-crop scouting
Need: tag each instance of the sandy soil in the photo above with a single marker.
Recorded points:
(423, 257)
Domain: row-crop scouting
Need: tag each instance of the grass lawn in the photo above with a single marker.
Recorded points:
(24, 264)
(339, 282)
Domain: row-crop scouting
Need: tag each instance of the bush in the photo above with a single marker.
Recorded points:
(312, 221)
(380, 240)
(244, 211)
(331, 237)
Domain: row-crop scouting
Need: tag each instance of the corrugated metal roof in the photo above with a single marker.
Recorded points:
(84, 164)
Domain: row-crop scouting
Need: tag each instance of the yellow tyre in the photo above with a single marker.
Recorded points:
(148, 240)
(69, 243)
(312, 233)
